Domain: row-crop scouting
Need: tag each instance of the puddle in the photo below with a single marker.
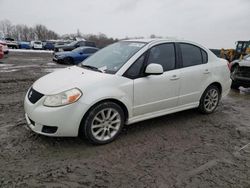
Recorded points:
(10, 70)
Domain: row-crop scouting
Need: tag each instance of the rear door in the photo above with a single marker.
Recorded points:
(194, 73)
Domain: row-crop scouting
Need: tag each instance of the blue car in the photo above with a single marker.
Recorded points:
(75, 56)
(24, 45)
(48, 45)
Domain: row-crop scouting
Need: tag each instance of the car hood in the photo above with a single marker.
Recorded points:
(68, 78)
(244, 63)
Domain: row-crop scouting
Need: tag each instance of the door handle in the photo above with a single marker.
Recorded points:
(206, 71)
(174, 77)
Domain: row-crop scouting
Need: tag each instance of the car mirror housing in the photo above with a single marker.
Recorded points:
(154, 69)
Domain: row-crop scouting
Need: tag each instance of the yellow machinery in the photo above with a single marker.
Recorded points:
(242, 48)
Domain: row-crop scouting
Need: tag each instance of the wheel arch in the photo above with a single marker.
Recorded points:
(217, 84)
(116, 101)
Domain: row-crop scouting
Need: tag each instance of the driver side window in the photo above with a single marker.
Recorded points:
(163, 54)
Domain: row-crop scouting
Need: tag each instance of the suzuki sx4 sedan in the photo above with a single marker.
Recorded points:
(124, 83)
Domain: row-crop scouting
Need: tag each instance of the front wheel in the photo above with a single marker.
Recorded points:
(103, 123)
(209, 100)
(68, 61)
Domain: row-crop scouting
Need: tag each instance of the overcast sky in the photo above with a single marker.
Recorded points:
(213, 23)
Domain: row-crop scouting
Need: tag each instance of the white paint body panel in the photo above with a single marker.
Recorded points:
(144, 98)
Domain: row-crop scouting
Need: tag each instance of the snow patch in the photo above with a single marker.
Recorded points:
(32, 51)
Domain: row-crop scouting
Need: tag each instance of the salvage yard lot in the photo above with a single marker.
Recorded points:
(185, 149)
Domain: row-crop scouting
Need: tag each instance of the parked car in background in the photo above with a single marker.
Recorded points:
(1, 52)
(62, 42)
(24, 45)
(73, 45)
(126, 82)
(240, 72)
(75, 56)
(47, 45)
(36, 45)
(5, 47)
(11, 43)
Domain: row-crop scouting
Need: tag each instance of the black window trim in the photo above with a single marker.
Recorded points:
(180, 54)
(144, 64)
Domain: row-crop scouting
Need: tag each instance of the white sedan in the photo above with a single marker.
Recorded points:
(126, 82)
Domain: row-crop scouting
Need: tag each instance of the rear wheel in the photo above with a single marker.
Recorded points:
(103, 123)
(209, 100)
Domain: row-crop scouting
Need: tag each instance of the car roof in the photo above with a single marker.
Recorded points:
(156, 40)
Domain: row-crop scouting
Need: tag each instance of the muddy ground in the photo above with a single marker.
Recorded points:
(185, 149)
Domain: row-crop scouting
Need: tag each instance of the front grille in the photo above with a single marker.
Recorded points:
(243, 72)
(34, 96)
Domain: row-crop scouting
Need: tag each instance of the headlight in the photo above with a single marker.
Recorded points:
(64, 98)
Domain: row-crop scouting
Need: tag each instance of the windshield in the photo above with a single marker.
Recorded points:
(73, 43)
(113, 57)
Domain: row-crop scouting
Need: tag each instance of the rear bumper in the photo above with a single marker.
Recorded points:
(226, 88)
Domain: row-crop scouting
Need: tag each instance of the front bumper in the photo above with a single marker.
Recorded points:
(57, 60)
(241, 81)
(61, 121)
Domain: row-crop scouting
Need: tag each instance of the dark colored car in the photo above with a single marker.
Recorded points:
(75, 56)
(240, 72)
(48, 45)
(73, 45)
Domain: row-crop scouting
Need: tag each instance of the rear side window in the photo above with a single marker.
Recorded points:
(191, 55)
(204, 56)
(164, 55)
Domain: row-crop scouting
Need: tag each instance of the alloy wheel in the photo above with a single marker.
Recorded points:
(211, 100)
(106, 124)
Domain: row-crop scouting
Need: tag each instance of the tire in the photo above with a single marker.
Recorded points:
(234, 85)
(209, 100)
(68, 61)
(103, 123)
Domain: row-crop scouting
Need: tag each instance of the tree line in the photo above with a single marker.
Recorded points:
(21, 32)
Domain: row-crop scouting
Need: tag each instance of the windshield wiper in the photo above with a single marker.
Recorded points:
(91, 67)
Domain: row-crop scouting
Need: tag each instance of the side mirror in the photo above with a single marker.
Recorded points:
(154, 69)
